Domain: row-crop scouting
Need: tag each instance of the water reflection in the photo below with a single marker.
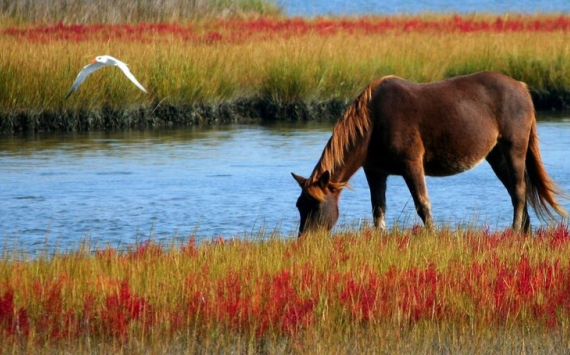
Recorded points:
(116, 188)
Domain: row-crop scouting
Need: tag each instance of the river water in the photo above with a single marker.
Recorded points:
(392, 7)
(122, 187)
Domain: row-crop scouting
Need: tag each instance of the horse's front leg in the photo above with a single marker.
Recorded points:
(415, 179)
(377, 185)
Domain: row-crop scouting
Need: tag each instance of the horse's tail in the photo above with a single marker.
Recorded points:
(541, 190)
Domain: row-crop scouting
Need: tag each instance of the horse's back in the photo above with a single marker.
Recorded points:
(485, 90)
(451, 124)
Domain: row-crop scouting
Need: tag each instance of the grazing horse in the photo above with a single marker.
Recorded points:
(398, 127)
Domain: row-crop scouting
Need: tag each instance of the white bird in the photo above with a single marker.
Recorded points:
(98, 63)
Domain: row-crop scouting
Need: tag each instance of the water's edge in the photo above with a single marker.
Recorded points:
(164, 115)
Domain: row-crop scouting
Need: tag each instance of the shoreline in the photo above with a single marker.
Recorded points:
(165, 115)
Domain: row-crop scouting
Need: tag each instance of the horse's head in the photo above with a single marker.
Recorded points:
(318, 203)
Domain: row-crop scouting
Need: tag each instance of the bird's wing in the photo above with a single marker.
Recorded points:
(84, 73)
(130, 75)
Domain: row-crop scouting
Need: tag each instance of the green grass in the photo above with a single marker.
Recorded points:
(125, 11)
(35, 76)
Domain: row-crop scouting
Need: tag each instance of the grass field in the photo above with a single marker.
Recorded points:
(409, 290)
(274, 60)
(123, 11)
(406, 290)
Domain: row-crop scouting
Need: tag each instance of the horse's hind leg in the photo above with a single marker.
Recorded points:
(512, 176)
(377, 184)
(415, 179)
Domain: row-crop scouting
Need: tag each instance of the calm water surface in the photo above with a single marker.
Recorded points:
(391, 7)
(117, 188)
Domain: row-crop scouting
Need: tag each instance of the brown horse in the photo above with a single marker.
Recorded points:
(398, 127)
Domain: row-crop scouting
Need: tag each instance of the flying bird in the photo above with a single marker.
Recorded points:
(98, 63)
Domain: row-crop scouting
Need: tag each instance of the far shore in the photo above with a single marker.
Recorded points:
(160, 115)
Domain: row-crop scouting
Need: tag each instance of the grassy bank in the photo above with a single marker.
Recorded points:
(121, 11)
(272, 66)
(407, 290)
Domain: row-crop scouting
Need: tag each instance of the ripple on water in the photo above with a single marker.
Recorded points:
(126, 191)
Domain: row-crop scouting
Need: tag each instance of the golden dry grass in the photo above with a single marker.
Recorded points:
(35, 75)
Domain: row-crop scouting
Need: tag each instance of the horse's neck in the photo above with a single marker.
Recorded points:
(345, 165)
(343, 173)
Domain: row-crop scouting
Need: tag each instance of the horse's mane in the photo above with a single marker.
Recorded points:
(353, 125)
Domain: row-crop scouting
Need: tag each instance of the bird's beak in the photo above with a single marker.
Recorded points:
(94, 60)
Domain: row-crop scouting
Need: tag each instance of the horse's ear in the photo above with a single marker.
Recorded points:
(324, 179)
(300, 180)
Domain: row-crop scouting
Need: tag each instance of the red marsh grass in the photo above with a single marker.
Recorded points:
(281, 60)
(406, 290)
